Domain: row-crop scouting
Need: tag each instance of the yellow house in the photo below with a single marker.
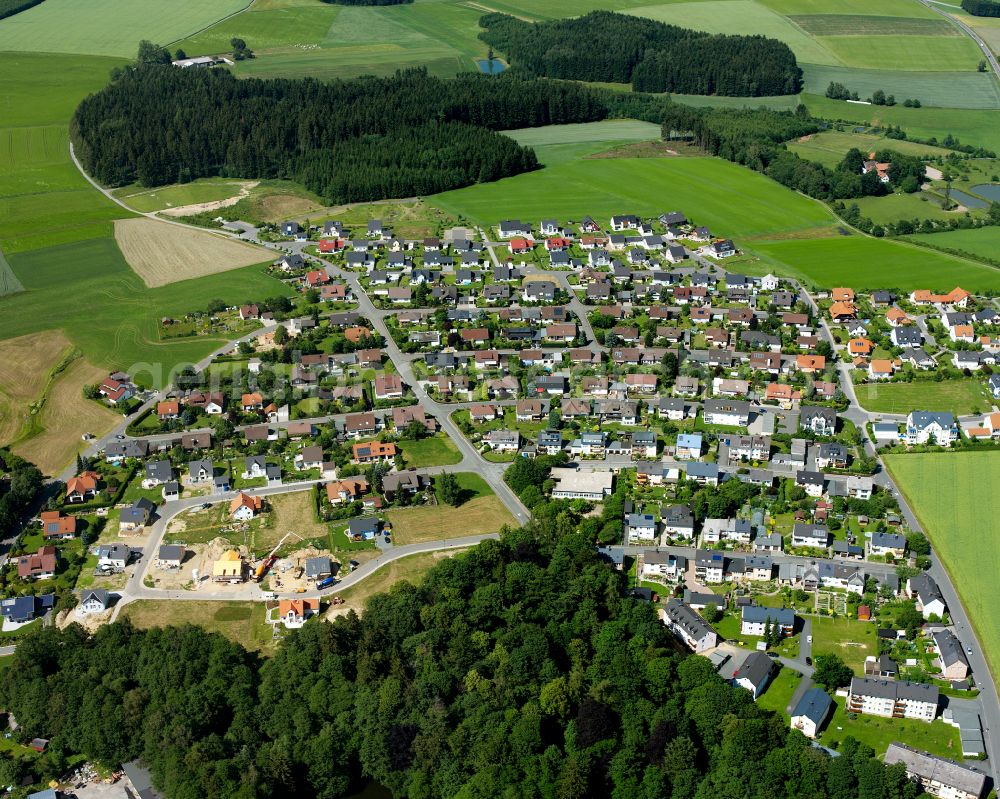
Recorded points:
(228, 568)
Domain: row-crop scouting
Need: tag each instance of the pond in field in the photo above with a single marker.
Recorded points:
(967, 199)
(991, 191)
(494, 67)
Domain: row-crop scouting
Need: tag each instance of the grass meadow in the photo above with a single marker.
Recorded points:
(731, 200)
(970, 126)
(961, 397)
(984, 242)
(108, 27)
(481, 512)
(830, 146)
(965, 89)
(88, 290)
(863, 262)
(956, 496)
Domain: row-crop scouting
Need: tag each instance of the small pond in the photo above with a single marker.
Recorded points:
(494, 67)
(991, 191)
(968, 200)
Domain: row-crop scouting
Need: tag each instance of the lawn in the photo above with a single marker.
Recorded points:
(984, 242)
(849, 639)
(966, 89)
(108, 27)
(89, 291)
(936, 737)
(955, 497)
(729, 199)
(412, 568)
(863, 262)
(242, 622)
(481, 512)
(958, 396)
(435, 450)
(919, 205)
(779, 692)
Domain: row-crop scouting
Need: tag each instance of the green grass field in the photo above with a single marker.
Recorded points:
(872, 25)
(944, 53)
(731, 200)
(958, 396)
(966, 89)
(108, 27)
(43, 198)
(863, 262)
(937, 737)
(745, 17)
(779, 692)
(156, 199)
(850, 639)
(956, 496)
(921, 205)
(984, 242)
(830, 146)
(557, 144)
(970, 126)
(894, 8)
(433, 451)
(88, 290)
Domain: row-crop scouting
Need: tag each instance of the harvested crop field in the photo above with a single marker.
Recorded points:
(25, 363)
(64, 418)
(161, 253)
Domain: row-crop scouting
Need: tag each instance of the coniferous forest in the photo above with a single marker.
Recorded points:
(517, 670)
(981, 8)
(349, 140)
(651, 55)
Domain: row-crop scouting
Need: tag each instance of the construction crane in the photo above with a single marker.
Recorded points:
(270, 558)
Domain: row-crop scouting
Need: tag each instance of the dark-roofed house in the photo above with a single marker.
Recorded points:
(755, 673)
(811, 712)
(755, 620)
(319, 567)
(937, 775)
(170, 556)
(951, 658)
(696, 633)
(22, 609)
(929, 600)
(893, 699)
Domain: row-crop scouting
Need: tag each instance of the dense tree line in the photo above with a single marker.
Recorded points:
(9, 8)
(19, 489)
(519, 669)
(361, 139)
(981, 8)
(755, 138)
(651, 55)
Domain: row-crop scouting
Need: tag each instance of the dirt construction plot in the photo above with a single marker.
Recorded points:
(65, 415)
(162, 253)
(24, 366)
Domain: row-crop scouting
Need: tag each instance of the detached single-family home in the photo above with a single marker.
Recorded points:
(812, 712)
(924, 427)
(926, 595)
(755, 673)
(682, 620)
(295, 612)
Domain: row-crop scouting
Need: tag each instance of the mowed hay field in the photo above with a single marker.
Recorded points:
(960, 397)
(956, 497)
(25, 363)
(863, 262)
(108, 27)
(984, 242)
(58, 428)
(482, 512)
(162, 253)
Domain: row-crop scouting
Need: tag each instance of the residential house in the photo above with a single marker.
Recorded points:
(893, 699)
(734, 413)
(56, 526)
(696, 633)
(579, 484)
(373, 451)
(94, 600)
(40, 565)
(755, 673)
(812, 711)
(951, 659)
(937, 776)
(677, 521)
(137, 516)
(640, 528)
(113, 557)
(926, 595)
(293, 613)
(883, 544)
(924, 427)
(245, 506)
(82, 487)
(810, 535)
(755, 619)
